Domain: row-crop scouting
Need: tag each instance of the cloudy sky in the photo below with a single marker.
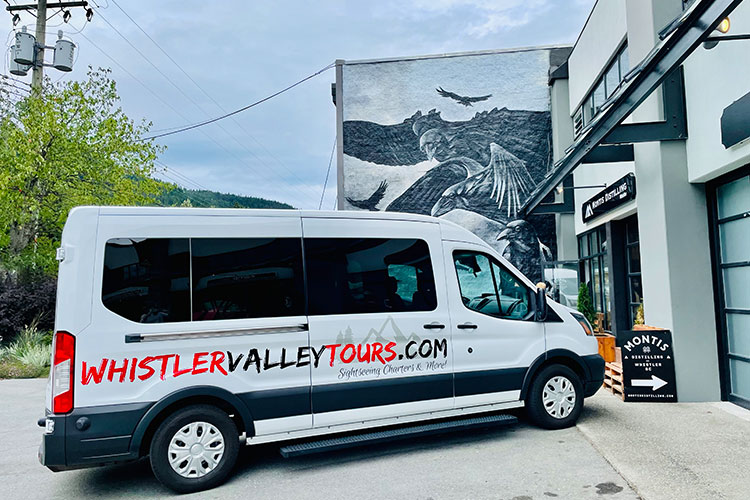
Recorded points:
(236, 52)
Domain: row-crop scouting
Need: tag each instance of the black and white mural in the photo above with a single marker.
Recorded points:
(464, 137)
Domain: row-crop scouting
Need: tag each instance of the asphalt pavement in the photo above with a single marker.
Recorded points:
(520, 462)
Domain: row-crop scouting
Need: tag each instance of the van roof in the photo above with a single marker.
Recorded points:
(449, 229)
(258, 212)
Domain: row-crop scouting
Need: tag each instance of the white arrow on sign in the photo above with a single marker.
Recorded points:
(654, 383)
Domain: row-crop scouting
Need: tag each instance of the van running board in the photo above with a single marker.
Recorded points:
(389, 435)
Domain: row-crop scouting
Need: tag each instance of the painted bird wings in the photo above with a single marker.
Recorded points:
(371, 203)
(465, 100)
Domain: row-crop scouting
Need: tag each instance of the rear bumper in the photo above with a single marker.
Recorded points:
(89, 437)
(594, 366)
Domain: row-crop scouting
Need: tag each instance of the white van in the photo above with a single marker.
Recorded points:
(181, 333)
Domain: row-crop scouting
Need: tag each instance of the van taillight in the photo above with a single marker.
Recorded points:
(62, 372)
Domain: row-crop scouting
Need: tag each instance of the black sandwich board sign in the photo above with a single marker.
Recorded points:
(621, 191)
(648, 366)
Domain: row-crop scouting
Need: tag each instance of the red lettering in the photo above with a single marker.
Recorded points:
(391, 353)
(176, 372)
(132, 369)
(366, 357)
(377, 348)
(144, 364)
(197, 361)
(122, 370)
(351, 358)
(164, 361)
(217, 358)
(333, 347)
(92, 372)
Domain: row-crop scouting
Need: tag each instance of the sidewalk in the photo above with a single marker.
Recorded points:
(672, 451)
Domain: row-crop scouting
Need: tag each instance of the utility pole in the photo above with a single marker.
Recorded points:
(63, 48)
(37, 76)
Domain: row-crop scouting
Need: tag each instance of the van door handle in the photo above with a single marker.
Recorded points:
(434, 326)
(467, 326)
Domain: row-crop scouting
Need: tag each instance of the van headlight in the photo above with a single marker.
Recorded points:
(584, 323)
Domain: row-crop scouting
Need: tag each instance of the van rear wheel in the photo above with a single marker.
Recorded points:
(555, 398)
(194, 449)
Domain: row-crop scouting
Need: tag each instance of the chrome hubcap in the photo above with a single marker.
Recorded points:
(559, 397)
(196, 449)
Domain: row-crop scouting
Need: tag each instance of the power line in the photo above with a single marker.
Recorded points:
(240, 110)
(205, 93)
(328, 172)
(6, 77)
(241, 144)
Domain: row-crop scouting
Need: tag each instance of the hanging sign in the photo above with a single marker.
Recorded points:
(648, 366)
(623, 190)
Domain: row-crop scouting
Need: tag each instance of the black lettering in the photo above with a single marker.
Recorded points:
(303, 353)
(410, 355)
(441, 346)
(232, 363)
(425, 343)
(252, 357)
(266, 363)
(318, 354)
(284, 363)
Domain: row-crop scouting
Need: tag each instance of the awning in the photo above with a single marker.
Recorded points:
(679, 39)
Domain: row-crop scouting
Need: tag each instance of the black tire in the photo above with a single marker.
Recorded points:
(160, 448)
(548, 378)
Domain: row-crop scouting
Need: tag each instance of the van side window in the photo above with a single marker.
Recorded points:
(246, 278)
(486, 287)
(147, 280)
(369, 275)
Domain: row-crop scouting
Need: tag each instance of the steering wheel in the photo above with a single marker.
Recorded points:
(513, 306)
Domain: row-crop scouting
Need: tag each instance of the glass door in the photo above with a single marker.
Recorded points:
(733, 258)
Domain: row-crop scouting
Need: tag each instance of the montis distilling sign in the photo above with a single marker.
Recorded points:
(622, 191)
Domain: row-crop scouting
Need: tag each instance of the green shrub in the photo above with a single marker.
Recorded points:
(38, 356)
(12, 368)
(28, 356)
(585, 305)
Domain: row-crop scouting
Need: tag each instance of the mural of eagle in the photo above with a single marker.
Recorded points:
(371, 203)
(464, 100)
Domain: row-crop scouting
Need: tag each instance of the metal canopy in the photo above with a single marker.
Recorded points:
(687, 32)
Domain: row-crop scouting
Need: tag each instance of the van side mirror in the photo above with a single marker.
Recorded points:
(541, 302)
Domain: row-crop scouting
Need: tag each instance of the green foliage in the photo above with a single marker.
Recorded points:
(585, 304)
(176, 196)
(639, 318)
(28, 356)
(16, 369)
(69, 145)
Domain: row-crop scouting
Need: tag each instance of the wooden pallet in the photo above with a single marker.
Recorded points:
(613, 379)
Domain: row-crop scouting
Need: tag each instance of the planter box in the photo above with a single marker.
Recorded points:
(607, 347)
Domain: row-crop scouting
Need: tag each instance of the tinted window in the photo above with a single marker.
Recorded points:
(368, 275)
(488, 288)
(247, 278)
(147, 280)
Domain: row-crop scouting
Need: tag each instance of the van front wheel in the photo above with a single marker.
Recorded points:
(194, 449)
(555, 398)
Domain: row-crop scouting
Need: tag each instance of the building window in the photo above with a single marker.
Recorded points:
(605, 87)
(633, 258)
(594, 271)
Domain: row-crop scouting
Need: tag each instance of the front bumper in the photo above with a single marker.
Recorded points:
(594, 365)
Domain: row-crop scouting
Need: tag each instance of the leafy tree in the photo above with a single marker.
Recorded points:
(70, 144)
(585, 304)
